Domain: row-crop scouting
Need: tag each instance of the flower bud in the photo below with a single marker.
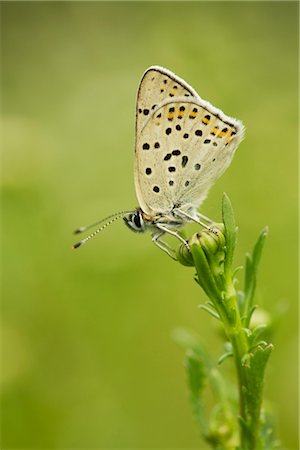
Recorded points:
(212, 240)
(207, 253)
(184, 256)
(213, 244)
(260, 317)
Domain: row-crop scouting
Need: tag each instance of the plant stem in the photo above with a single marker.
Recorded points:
(211, 252)
(236, 334)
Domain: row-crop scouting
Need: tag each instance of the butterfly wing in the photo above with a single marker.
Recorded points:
(183, 146)
(156, 86)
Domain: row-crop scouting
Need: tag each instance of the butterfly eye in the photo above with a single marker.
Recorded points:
(135, 222)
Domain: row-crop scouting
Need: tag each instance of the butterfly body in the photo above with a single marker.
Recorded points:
(183, 145)
(140, 221)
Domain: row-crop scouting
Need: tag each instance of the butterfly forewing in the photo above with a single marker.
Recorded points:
(183, 147)
(157, 85)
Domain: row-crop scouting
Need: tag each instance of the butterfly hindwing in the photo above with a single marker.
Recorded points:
(183, 147)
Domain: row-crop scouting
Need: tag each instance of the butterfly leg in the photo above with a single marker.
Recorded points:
(195, 219)
(204, 225)
(163, 245)
(173, 233)
(209, 222)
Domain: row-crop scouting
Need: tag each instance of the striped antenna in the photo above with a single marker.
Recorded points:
(82, 229)
(108, 221)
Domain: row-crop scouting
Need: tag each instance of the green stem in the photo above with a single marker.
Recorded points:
(230, 316)
(212, 254)
(236, 334)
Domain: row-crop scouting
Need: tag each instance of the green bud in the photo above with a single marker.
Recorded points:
(212, 240)
(184, 256)
(213, 244)
(260, 317)
(210, 243)
(222, 429)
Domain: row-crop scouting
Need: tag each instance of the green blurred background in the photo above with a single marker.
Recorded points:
(87, 354)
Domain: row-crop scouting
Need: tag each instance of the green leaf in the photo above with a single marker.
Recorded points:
(251, 268)
(240, 300)
(236, 270)
(204, 274)
(222, 422)
(190, 341)
(197, 365)
(196, 375)
(256, 334)
(211, 311)
(223, 357)
(267, 439)
(258, 248)
(248, 273)
(255, 370)
(230, 233)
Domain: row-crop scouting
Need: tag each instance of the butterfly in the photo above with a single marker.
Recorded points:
(183, 144)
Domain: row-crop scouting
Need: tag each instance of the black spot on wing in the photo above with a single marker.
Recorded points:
(184, 161)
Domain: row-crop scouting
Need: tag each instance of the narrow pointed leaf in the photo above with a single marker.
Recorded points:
(251, 268)
(190, 341)
(255, 370)
(196, 375)
(205, 277)
(258, 248)
(210, 311)
(256, 333)
(248, 273)
(230, 233)
(224, 356)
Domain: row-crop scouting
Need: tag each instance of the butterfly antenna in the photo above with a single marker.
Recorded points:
(110, 219)
(82, 229)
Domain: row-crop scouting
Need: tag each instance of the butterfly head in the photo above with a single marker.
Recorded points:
(135, 221)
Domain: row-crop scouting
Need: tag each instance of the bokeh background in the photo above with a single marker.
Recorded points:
(88, 360)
